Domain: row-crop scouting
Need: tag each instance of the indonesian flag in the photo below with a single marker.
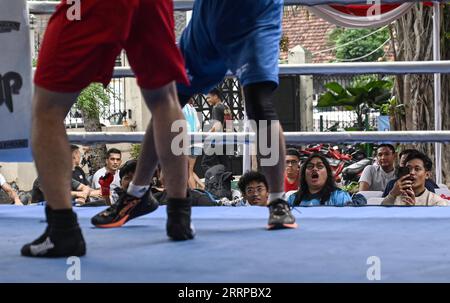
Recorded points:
(362, 10)
(362, 16)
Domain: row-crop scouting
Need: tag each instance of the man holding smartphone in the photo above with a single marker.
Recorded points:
(410, 189)
(395, 186)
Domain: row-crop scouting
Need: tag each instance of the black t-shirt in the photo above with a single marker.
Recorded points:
(79, 175)
(38, 196)
(218, 113)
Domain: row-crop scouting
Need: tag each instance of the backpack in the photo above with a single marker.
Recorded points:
(218, 181)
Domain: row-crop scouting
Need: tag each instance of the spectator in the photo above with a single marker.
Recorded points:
(214, 99)
(376, 177)
(412, 189)
(193, 125)
(292, 170)
(254, 188)
(9, 191)
(126, 174)
(317, 185)
(79, 192)
(215, 154)
(113, 161)
(77, 172)
(394, 185)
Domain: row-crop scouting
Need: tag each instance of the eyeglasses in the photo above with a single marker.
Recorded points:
(252, 190)
(291, 162)
(311, 166)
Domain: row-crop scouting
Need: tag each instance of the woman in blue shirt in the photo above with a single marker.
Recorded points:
(317, 186)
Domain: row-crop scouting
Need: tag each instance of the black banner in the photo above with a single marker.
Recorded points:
(12, 144)
(8, 26)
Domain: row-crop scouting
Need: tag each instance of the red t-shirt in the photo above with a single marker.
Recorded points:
(290, 186)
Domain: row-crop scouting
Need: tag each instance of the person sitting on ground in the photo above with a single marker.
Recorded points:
(376, 177)
(394, 185)
(77, 172)
(198, 197)
(254, 189)
(411, 190)
(126, 174)
(79, 192)
(292, 170)
(113, 161)
(317, 185)
(10, 191)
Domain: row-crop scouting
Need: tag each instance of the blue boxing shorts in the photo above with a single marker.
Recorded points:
(240, 36)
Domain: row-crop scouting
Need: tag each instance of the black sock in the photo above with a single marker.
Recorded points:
(179, 219)
(64, 219)
(178, 202)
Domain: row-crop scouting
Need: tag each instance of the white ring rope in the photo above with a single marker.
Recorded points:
(291, 137)
(353, 68)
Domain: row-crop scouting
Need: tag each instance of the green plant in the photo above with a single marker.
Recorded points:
(364, 94)
(135, 151)
(93, 100)
(346, 50)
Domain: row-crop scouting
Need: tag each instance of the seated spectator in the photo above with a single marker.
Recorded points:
(9, 191)
(376, 177)
(113, 161)
(126, 174)
(429, 184)
(254, 188)
(411, 190)
(317, 185)
(77, 172)
(292, 170)
(80, 193)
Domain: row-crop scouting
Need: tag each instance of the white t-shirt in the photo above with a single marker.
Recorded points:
(100, 173)
(427, 198)
(376, 177)
(2, 180)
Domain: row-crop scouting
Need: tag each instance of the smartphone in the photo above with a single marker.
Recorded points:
(402, 171)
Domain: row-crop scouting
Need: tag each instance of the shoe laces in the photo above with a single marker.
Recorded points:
(280, 208)
(110, 210)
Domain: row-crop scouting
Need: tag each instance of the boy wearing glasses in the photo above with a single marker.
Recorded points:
(292, 170)
(254, 188)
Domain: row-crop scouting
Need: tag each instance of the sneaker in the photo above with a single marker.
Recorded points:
(179, 227)
(56, 243)
(280, 215)
(125, 209)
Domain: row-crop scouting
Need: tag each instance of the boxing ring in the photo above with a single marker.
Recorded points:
(330, 245)
(348, 244)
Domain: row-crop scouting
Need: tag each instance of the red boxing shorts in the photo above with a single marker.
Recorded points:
(76, 53)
